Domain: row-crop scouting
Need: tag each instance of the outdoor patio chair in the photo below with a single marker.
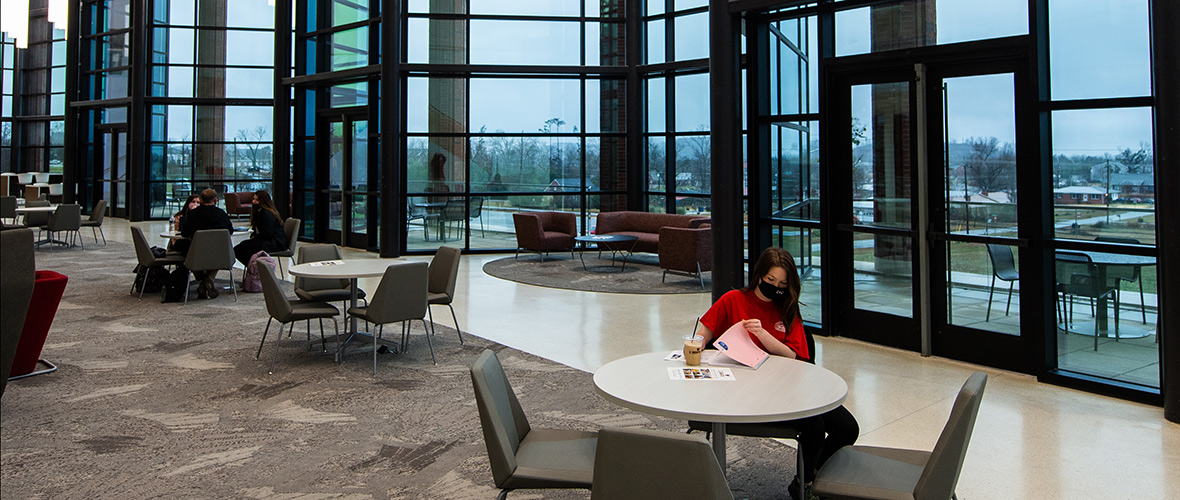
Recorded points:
(1004, 268)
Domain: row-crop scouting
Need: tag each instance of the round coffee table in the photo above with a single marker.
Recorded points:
(613, 243)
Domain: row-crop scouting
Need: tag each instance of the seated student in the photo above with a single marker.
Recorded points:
(769, 310)
(205, 216)
(267, 226)
(193, 201)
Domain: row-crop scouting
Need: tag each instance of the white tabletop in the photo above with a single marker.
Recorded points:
(23, 210)
(781, 389)
(177, 236)
(353, 268)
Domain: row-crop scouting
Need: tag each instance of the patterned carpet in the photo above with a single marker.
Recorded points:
(167, 401)
(641, 275)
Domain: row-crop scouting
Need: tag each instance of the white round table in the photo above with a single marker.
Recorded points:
(781, 389)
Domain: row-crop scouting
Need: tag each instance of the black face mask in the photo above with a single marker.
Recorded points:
(774, 293)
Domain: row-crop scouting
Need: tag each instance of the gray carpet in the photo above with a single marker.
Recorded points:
(641, 275)
(167, 401)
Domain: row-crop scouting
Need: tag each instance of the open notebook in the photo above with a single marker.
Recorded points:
(735, 345)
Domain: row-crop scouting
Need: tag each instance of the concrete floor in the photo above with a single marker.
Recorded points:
(1031, 440)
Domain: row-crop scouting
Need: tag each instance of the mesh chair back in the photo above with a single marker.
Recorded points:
(1076, 275)
(210, 250)
(277, 305)
(318, 252)
(942, 470)
(444, 272)
(401, 295)
(454, 210)
(475, 209)
(500, 414)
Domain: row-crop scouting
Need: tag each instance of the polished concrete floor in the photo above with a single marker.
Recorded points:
(1031, 440)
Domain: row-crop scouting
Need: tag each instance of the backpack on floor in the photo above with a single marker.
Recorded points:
(252, 282)
(152, 281)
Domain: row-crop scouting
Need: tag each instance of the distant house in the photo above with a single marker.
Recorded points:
(1133, 187)
(1079, 195)
(984, 197)
(566, 185)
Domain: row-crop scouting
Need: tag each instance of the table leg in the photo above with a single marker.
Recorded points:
(1100, 315)
(719, 443)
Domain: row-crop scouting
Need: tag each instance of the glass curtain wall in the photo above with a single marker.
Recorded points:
(676, 95)
(210, 95)
(104, 96)
(511, 106)
(32, 105)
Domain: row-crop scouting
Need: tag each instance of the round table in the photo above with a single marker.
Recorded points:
(1102, 262)
(799, 390)
(609, 242)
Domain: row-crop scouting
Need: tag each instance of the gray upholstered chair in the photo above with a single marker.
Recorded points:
(36, 219)
(65, 219)
(8, 212)
(1004, 268)
(95, 221)
(322, 289)
(148, 260)
(444, 272)
(285, 312)
(211, 251)
(291, 227)
(400, 296)
(645, 464)
(869, 472)
(17, 277)
(523, 457)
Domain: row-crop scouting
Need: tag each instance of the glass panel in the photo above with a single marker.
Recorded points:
(526, 105)
(527, 7)
(348, 11)
(910, 24)
(1099, 49)
(656, 102)
(688, 4)
(252, 13)
(181, 43)
(805, 246)
(692, 103)
(438, 165)
(883, 274)
(692, 164)
(605, 168)
(881, 155)
(1107, 324)
(437, 41)
(350, 49)
(692, 37)
(248, 118)
(655, 42)
(349, 94)
(983, 288)
(795, 170)
(1103, 174)
(179, 121)
(249, 83)
(526, 42)
(360, 156)
(657, 159)
(657, 204)
(980, 155)
(262, 42)
(335, 175)
(593, 44)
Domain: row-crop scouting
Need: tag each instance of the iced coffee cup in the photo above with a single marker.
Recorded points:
(692, 349)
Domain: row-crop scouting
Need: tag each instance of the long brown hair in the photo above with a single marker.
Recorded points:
(184, 208)
(776, 257)
(264, 203)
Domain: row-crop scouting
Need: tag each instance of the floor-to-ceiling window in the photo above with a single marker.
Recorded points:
(32, 104)
(973, 208)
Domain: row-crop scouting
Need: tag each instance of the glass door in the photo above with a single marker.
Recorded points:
(927, 234)
(113, 185)
(350, 196)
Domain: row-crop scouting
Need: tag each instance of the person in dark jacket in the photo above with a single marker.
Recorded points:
(206, 216)
(268, 230)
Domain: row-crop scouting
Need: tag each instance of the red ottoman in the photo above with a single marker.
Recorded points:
(48, 288)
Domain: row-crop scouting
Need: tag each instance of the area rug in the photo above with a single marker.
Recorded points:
(642, 274)
(167, 401)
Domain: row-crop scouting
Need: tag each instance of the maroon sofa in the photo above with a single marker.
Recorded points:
(645, 225)
(237, 204)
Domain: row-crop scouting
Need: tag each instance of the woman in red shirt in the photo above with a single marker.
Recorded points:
(769, 310)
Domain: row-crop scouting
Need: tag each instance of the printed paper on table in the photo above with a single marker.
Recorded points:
(699, 373)
(736, 344)
(327, 263)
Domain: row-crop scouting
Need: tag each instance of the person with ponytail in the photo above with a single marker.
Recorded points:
(768, 308)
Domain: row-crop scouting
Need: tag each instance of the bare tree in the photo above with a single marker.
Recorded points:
(990, 165)
(1134, 160)
(254, 142)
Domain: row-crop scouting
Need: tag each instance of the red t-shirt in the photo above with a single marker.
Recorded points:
(738, 305)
